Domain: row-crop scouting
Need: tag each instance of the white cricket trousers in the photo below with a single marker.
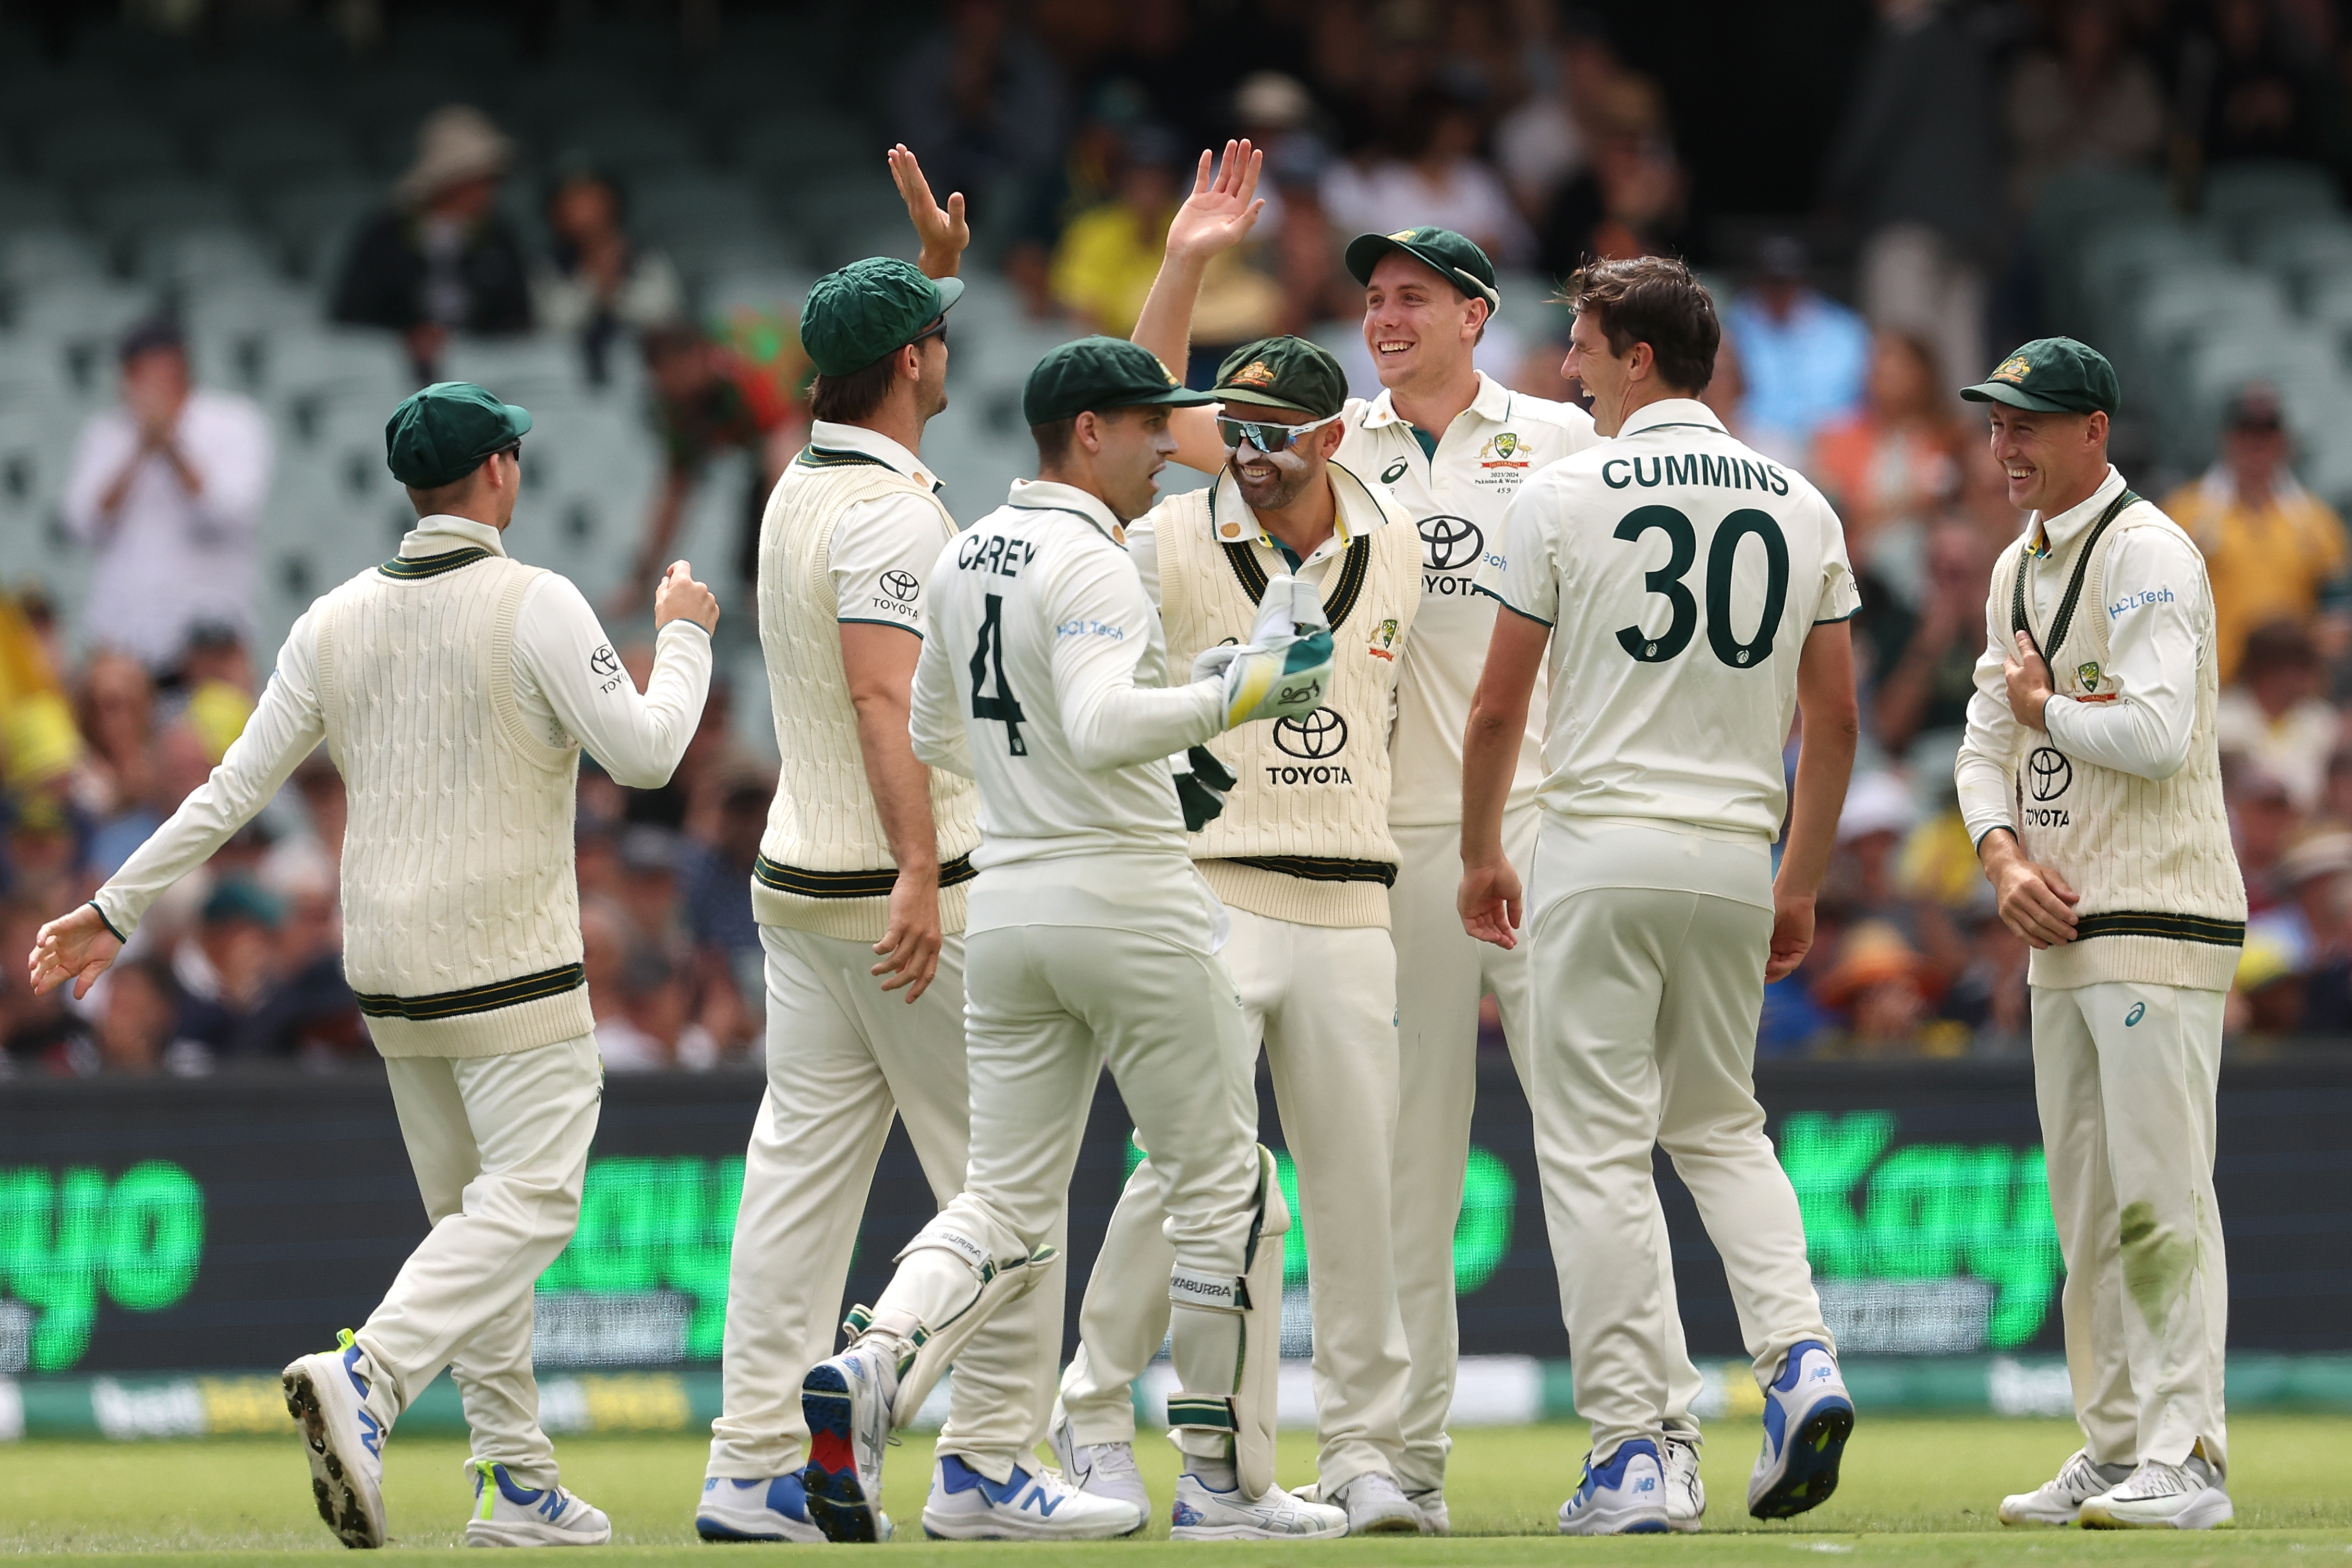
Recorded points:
(1323, 998)
(1443, 971)
(2125, 1077)
(844, 1057)
(1646, 1004)
(499, 1144)
(1045, 1007)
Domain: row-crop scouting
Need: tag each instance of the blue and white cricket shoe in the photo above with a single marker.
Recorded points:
(1807, 1417)
(327, 1395)
(1027, 1505)
(507, 1514)
(1686, 1493)
(1201, 1512)
(774, 1508)
(847, 1402)
(1626, 1495)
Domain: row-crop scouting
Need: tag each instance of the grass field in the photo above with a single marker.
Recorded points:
(1915, 1491)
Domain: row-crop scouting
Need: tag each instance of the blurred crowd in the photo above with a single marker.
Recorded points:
(1074, 129)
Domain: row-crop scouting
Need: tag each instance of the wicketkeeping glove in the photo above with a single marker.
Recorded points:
(1285, 669)
(1201, 784)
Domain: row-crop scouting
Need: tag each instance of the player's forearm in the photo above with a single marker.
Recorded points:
(1129, 726)
(639, 740)
(283, 731)
(1164, 326)
(1490, 757)
(1824, 768)
(900, 783)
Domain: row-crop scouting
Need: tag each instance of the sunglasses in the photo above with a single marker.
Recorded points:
(1268, 437)
(939, 331)
(514, 452)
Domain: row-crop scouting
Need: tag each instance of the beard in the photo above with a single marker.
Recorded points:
(1278, 490)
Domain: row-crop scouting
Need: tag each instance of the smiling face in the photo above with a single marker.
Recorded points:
(1270, 481)
(2052, 461)
(1419, 326)
(1605, 376)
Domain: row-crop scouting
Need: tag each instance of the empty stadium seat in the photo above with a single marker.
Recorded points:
(2237, 196)
(270, 148)
(78, 151)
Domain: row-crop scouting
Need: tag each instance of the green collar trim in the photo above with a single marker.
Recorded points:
(411, 569)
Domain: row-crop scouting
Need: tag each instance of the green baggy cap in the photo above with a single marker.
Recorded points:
(1100, 374)
(1456, 257)
(860, 313)
(441, 433)
(2051, 375)
(1283, 372)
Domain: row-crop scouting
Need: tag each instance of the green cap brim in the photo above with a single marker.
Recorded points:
(521, 417)
(2001, 392)
(1158, 397)
(950, 291)
(1364, 253)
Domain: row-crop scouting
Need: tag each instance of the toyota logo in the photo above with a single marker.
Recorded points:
(1448, 544)
(605, 662)
(1319, 735)
(2048, 772)
(901, 586)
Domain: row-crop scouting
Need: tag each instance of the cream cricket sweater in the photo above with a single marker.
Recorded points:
(1305, 832)
(824, 861)
(461, 906)
(2162, 899)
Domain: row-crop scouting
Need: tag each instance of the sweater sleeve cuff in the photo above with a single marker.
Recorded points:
(118, 925)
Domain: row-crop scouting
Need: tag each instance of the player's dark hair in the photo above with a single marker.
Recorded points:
(846, 399)
(1054, 440)
(1652, 299)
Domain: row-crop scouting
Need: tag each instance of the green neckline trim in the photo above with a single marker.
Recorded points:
(410, 568)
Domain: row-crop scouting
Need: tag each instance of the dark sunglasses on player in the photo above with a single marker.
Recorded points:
(1267, 437)
(938, 330)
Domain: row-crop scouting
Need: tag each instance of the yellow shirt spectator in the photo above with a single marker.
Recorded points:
(2271, 547)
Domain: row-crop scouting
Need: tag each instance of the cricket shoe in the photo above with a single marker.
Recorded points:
(2159, 1496)
(1027, 1505)
(1202, 1514)
(506, 1514)
(1431, 1505)
(1807, 1417)
(773, 1508)
(1686, 1493)
(847, 1402)
(1100, 1469)
(327, 1395)
(1376, 1506)
(1625, 1496)
(2059, 1499)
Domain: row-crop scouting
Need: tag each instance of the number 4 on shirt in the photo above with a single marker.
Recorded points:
(1002, 703)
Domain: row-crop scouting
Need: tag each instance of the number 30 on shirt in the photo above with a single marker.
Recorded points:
(1667, 583)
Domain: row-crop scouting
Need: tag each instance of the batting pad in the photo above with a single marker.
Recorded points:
(936, 1348)
(1255, 1297)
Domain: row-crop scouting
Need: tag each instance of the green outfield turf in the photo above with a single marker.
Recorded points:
(1915, 1491)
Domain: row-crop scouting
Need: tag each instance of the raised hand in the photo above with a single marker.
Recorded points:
(943, 232)
(1224, 206)
(75, 946)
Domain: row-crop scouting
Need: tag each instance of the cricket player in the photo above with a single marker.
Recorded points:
(1687, 595)
(867, 854)
(1452, 446)
(2095, 700)
(1089, 939)
(455, 687)
(1301, 856)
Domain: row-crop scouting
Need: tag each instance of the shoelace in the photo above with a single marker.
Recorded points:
(2157, 1479)
(2080, 1478)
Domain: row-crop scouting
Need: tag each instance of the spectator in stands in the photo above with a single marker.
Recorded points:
(1105, 261)
(1803, 354)
(1922, 656)
(2082, 98)
(1540, 145)
(984, 102)
(709, 399)
(1433, 175)
(655, 1029)
(1912, 163)
(440, 259)
(596, 281)
(1885, 992)
(2275, 716)
(166, 490)
(1889, 465)
(215, 693)
(2244, 92)
(2263, 822)
(2274, 550)
(1864, 878)
(719, 891)
(137, 1030)
(654, 866)
(118, 786)
(1631, 198)
(38, 1033)
(229, 967)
